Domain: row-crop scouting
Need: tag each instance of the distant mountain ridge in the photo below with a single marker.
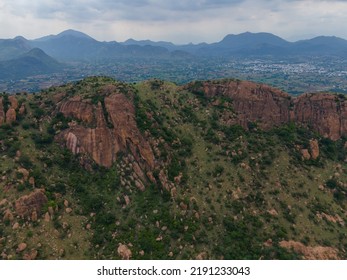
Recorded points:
(11, 48)
(72, 46)
(75, 45)
(259, 44)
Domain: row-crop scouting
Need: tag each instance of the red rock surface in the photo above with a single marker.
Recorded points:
(311, 253)
(10, 115)
(314, 148)
(253, 102)
(325, 113)
(105, 131)
(28, 204)
(2, 113)
(78, 109)
(13, 101)
(106, 127)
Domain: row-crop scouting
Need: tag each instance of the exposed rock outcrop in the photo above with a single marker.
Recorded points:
(11, 115)
(252, 102)
(28, 204)
(124, 252)
(311, 253)
(324, 113)
(77, 108)
(2, 113)
(305, 154)
(13, 101)
(106, 129)
(8, 115)
(314, 148)
(268, 107)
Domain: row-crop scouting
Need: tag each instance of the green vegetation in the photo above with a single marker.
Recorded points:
(230, 192)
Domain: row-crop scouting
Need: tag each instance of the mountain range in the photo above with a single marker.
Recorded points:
(73, 45)
(28, 65)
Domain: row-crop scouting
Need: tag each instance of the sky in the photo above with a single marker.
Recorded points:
(178, 21)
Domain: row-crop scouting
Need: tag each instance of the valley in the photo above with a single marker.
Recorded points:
(312, 65)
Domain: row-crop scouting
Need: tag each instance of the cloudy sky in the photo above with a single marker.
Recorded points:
(179, 21)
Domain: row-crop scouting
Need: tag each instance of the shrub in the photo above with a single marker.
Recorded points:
(25, 162)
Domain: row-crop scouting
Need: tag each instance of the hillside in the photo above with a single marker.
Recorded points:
(12, 48)
(31, 63)
(224, 169)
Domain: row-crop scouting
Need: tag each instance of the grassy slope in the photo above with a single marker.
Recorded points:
(231, 179)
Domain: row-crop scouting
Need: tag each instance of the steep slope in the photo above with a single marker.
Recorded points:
(100, 169)
(268, 107)
(106, 127)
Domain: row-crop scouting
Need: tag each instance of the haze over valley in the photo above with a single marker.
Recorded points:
(317, 64)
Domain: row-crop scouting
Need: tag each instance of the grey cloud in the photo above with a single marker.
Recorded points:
(205, 19)
(78, 10)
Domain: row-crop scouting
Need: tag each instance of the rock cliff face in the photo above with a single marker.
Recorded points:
(104, 130)
(253, 102)
(269, 107)
(324, 113)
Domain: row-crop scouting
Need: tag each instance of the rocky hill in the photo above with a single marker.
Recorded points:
(269, 107)
(224, 169)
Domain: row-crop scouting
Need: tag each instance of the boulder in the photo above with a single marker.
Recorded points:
(21, 247)
(11, 116)
(13, 101)
(27, 204)
(47, 217)
(201, 256)
(124, 252)
(8, 216)
(32, 255)
(305, 154)
(314, 149)
(15, 226)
